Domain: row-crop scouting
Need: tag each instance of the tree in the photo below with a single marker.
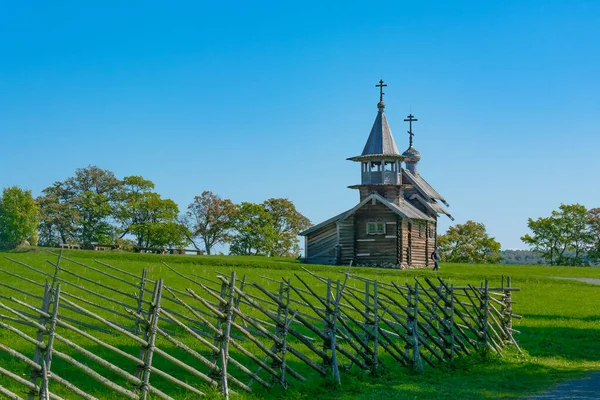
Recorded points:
(567, 229)
(288, 223)
(210, 218)
(269, 229)
(546, 239)
(156, 225)
(254, 230)
(594, 226)
(79, 209)
(468, 243)
(143, 214)
(19, 217)
(57, 216)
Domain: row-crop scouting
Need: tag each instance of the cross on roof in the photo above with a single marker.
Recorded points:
(410, 120)
(380, 86)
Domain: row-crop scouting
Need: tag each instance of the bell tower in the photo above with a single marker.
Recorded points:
(380, 160)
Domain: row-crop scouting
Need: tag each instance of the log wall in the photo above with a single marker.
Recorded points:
(375, 248)
(320, 245)
(419, 255)
(346, 240)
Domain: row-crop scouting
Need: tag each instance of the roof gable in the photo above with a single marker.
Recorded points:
(405, 210)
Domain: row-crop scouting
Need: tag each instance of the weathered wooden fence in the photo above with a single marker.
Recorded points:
(229, 333)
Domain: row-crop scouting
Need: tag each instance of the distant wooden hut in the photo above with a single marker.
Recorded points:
(395, 222)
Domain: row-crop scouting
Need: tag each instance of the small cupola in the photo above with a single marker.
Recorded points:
(412, 156)
(380, 159)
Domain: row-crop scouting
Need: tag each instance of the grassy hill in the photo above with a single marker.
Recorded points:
(560, 329)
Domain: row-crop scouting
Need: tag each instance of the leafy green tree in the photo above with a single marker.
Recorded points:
(210, 219)
(79, 209)
(58, 218)
(566, 230)
(594, 226)
(288, 223)
(153, 221)
(19, 217)
(133, 205)
(468, 243)
(254, 228)
(270, 229)
(546, 239)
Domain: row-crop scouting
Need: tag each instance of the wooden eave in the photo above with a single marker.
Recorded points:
(433, 206)
(377, 157)
(407, 211)
(373, 184)
(423, 187)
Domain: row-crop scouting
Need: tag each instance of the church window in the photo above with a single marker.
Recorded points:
(421, 229)
(388, 166)
(375, 166)
(376, 228)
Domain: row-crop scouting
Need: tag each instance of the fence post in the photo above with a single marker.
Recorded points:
(327, 345)
(375, 329)
(279, 331)
(219, 325)
(283, 337)
(238, 299)
(484, 318)
(332, 331)
(47, 360)
(367, 315)
(449, 326)
(140, 301)
(507, 312)
(40, 338)
(148, 352)
(224, 353)
(415, 330)
(408, 346)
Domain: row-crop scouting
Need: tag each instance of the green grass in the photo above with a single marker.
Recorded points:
(560, 328)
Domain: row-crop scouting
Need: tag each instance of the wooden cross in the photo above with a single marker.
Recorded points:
(410, 120)
(380, 86)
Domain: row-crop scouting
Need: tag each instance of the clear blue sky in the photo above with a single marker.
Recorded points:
(253, 100)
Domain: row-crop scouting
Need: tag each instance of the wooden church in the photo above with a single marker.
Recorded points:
(395, 222)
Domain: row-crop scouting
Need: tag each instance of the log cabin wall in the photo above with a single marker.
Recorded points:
(320, 245)
(375, 248)
(346, 240)
(418, 246)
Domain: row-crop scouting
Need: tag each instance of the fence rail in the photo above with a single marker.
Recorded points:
(232, 333)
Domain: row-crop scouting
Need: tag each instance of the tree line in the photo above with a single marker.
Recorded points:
(569, 236)
(95, 207)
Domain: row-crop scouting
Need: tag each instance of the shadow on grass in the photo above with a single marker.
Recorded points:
(474, 377)
(571, 344)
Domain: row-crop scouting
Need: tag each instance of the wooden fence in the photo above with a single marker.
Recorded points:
(229, 333)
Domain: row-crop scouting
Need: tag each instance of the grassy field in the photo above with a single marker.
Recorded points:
(560, 327)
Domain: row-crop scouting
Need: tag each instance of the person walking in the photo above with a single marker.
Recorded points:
(435, 256)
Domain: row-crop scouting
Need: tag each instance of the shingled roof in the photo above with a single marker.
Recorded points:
(405, 210)
(422, 186)
(380, 139)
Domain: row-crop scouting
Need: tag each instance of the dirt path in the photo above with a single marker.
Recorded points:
(581, 389)
(587, 388)
(593, 281)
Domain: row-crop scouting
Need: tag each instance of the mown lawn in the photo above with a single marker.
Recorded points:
(560, 329)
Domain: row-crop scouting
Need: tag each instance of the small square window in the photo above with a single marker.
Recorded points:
(376, 228)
